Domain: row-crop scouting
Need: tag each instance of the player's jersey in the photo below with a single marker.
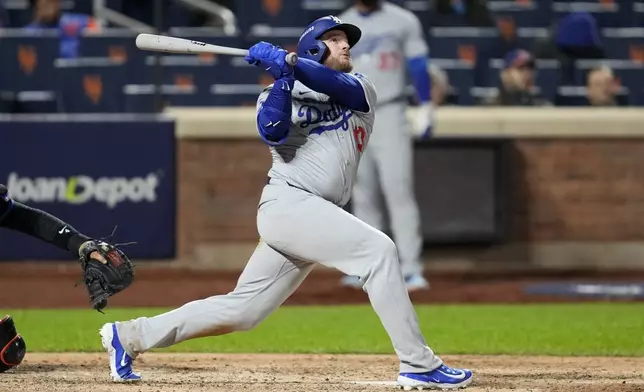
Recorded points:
(324, 144)
(390, 36)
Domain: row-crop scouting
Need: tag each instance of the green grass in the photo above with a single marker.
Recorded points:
(580, 329)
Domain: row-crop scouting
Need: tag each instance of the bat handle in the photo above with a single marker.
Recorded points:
(291, 59)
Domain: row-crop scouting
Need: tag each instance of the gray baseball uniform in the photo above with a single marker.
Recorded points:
(390, 36)
(301, 223)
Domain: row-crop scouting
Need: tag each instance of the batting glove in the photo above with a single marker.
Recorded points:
(424, 121)
(272, 58)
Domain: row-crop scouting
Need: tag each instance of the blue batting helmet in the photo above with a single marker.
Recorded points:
(310, 46)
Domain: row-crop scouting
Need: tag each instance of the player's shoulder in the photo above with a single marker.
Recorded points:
(396, 11)
(360, 76)
(366, 82)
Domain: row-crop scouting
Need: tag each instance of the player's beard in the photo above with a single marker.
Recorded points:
(342, 64)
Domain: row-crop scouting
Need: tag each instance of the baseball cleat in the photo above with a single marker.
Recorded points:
(416, 282)
(120, 361)
(443, 377)
(351, 281)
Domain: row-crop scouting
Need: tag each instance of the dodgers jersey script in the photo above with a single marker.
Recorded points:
(322, 151)
(389, 37)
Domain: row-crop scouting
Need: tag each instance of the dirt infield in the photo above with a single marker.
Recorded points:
(74, 372)
(174, 287)
(170, 372)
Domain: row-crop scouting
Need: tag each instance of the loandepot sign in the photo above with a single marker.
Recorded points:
(82, 189)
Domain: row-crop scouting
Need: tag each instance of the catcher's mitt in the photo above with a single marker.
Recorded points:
(104, 278)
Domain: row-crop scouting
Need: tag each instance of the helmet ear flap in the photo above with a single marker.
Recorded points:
(325, 54)
(319, 52)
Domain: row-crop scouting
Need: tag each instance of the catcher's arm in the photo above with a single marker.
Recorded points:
(39, 224)
(107, 270)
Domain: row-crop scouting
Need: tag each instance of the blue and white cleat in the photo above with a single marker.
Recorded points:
(443, 377)
(120, 361)
(416, 282)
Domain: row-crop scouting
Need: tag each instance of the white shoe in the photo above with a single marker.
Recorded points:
(416, 282)
(120, 361)
(351, 281)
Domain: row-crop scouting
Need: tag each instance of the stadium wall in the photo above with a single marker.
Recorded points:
(513, 187)
(572, 191)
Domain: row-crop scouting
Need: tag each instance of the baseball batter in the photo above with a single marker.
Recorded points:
(316, 119)
(392, 46)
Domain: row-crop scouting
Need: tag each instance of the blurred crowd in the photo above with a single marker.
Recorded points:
(509, 53)
(574, 37)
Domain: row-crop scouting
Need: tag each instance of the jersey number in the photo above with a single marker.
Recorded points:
(389, 61)
(359, 133)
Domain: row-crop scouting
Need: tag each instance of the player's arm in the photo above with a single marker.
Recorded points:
(342, 87)
(36, 223)
(417, 55)
(107, 270)
(274, 104)
(274, 112)
(418, 67)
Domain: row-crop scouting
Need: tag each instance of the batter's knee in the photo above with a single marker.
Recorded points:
(386, 250)
(384, 261)
(245, 321)
(245, 315)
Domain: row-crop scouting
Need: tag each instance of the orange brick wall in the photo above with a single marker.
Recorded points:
(565, 190)
(579, 190)
(219, 184)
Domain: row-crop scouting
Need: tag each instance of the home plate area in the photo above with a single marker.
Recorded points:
(184, 372)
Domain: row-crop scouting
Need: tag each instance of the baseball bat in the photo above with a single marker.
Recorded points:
(163, 43)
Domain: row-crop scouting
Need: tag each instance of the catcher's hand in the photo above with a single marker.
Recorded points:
(107, 271)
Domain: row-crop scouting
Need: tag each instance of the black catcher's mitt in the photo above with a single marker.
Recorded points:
(104, 278)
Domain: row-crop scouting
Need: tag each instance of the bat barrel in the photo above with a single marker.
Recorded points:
(162, 43)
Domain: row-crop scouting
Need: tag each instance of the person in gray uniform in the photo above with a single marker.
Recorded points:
(317, 119)
(392, 47)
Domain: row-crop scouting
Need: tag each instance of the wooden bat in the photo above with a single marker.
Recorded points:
(162, 43)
